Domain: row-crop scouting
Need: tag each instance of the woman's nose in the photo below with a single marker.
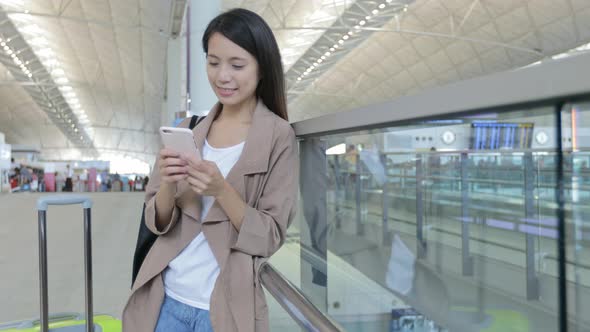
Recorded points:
(224, 74)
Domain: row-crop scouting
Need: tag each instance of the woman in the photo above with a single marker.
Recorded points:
(220, 218)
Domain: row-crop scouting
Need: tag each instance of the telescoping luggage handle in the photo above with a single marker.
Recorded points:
(42, 204)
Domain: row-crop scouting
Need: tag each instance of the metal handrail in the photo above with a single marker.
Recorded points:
(307, 315)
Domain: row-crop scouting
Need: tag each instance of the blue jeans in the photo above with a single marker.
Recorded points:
(179, 317)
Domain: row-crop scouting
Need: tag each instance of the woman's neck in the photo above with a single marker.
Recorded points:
(241, 112)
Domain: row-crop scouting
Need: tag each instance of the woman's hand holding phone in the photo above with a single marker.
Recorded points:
(172, 167)
(204, 176)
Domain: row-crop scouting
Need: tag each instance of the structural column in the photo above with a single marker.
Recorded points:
(173, 81)
(201, 97)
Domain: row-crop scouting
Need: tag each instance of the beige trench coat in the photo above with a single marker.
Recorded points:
(266, 176)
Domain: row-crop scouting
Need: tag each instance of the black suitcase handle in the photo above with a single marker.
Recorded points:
(42, 205)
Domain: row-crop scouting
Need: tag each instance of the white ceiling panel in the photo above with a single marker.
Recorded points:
(547, 11)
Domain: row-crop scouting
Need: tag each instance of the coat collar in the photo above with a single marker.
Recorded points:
(254, 159)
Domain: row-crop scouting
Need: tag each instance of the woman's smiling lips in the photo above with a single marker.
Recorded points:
(226, 92)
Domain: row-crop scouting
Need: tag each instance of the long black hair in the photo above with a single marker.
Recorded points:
(249, 31)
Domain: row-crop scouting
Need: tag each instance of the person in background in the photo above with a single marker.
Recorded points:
(231, 221)
(145, 182)
(69, 186)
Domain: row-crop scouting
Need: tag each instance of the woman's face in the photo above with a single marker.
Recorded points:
(233, 72)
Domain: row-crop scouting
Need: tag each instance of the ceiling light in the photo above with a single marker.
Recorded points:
(39, 41)
(381, 6)
(320, 60)
(73, 125)
(350, 33)
(362, 22)
(299, 78)
(65, 88)
(50, 62)
(32, 29)
(341, 42)
(375, 11)
(327, 54)
(75, 130)
(29, 75)
(388, 1)
(61, 80)
(331, 49)
(323, 57)
(58, 72)
(405, 8)
(2, 44)
(336, 46)
(345, 37)
(46, 52)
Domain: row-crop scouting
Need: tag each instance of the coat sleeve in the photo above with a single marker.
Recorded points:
(150, 198)
(264, 228)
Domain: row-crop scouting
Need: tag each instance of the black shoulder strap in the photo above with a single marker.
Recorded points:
(195, 119)
(193, 123)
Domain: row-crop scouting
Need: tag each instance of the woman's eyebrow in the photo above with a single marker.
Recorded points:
(230, 59)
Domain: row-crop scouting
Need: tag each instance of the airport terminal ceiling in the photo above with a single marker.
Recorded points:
(104, 61)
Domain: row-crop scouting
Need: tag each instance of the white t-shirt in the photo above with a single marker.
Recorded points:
(190, 276)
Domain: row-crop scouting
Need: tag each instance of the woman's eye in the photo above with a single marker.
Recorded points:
(238, 66)
(213, 64)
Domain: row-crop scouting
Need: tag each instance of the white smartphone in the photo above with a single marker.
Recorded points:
(180, 140)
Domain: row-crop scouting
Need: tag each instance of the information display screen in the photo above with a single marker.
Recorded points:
(496, 135)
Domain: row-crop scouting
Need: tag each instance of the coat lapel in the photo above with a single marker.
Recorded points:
(254, 159)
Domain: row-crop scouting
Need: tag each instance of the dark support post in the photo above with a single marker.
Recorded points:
(560, 198)
(420, 244)
(360, 227)
(88, 270)
(339, 176)
(466, 255)
(44, 319)
(532, 282)
(385, 204)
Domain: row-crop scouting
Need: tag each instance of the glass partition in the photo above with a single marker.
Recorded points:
(448, 223)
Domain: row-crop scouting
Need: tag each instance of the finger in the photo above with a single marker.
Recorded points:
(165, 153)
(191, 159)
(197, 185)
(174, 178)
(204, 178)
(172, 162)
(170, 170)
